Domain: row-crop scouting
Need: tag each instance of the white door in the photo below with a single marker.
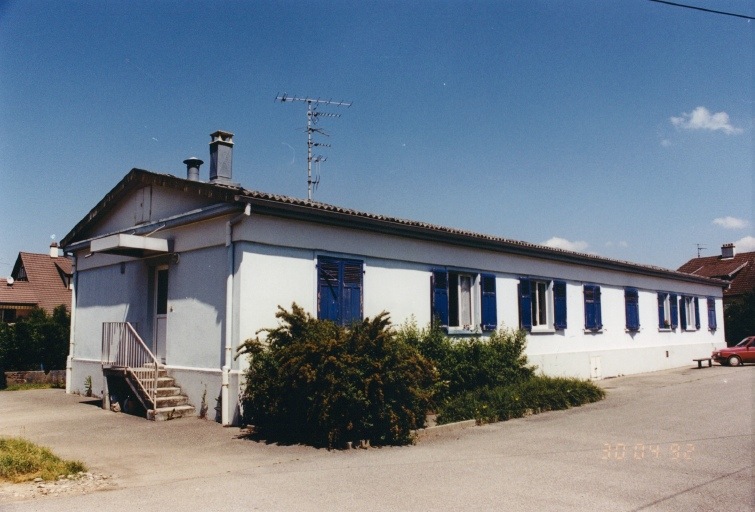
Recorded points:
(161, 312)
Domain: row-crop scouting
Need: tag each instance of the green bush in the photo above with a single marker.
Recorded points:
(467, 364)
(315, 382)
(534, 395)
(36, 342)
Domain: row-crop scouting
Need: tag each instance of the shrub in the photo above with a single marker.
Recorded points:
(467, 364)
(39, 341)
(315, 382)
(531, 396)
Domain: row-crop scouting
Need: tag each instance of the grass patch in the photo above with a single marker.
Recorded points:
(34, 385)
(535, 395)
(22, 461)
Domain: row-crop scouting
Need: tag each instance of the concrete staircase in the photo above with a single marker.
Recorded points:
(170, 403)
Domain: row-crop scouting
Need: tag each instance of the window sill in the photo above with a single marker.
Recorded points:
(593, 331)
(630, 331)
(457, 331)
(666, 329)
(542, 330)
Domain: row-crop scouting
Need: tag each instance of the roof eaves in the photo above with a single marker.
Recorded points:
(308, 210)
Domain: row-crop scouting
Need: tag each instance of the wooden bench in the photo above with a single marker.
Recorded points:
(700, 361)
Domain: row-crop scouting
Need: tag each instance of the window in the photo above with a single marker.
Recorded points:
(690, 311)
(464, 300)
(339, 290)
(712, 324)
(542, 304)
(632, 308)
(593, 319)
(668, 312)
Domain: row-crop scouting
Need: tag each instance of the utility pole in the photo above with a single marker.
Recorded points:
(312, 116)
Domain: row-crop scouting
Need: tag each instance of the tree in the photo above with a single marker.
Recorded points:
(739, 318)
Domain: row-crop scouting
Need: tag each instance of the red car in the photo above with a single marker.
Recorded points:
(742, 352)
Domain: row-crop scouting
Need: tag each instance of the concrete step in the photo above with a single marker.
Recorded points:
(162, 382)
(170, 413)
(168, 391)
(171, 401)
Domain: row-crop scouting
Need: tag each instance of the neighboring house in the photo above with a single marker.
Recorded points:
(738, 270)
(193, 268)
(37, 280)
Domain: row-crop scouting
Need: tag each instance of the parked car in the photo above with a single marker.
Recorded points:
(742, 352)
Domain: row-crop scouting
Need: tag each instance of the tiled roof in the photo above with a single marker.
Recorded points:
(273, 204)
(44, 284)
(739, 270)
(20, 293)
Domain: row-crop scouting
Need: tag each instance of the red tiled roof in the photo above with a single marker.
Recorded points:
(739, 270)
(20, 293)
(45, 284)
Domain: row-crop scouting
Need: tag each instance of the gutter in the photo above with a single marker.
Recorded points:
(72, 328)
(198, 215)
(226, 416)
(427, 232)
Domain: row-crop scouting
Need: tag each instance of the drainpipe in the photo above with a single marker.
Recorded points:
(225, 414)
(72, 330)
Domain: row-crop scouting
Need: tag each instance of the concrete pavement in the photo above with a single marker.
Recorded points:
(673, 440)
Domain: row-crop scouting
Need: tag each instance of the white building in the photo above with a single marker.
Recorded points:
(198, 267)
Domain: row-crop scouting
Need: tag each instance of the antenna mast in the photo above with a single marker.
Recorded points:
(312, 115)
(700, 247)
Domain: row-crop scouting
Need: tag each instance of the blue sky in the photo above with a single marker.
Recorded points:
(623, 129)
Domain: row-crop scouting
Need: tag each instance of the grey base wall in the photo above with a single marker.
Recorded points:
(201, 386)
(601, 364)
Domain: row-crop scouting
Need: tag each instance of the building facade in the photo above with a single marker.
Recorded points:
(199, 267)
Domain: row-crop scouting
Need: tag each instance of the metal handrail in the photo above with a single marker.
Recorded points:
(123, 347)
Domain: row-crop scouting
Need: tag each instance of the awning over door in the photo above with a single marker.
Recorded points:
(130, 245)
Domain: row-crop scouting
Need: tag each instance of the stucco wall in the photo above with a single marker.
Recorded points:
(397, 280)
(196, 309)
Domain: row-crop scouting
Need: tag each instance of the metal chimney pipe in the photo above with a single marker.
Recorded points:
(192, 168)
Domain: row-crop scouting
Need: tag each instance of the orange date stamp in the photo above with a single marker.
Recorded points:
(642, 451)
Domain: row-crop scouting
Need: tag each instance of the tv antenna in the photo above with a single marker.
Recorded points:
(700, 247)
(312, 117)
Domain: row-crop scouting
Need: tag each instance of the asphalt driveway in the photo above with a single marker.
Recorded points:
(672, 440)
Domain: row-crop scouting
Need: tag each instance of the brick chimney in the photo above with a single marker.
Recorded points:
(221, 158)
(727, 251)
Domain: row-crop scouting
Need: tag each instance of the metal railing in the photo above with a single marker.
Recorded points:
(122, 347)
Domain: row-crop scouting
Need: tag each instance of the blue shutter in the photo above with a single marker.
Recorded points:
(559, 302)
(697, 313)
(328, 289)
(489, 319)
(339, 290)
(712, 314)
(525, 304)
(598, 309)
(661, 310)
(439, 302)
(632, 307)
(683, 311)
(674, 311)
(593, 320)
(351, 303)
